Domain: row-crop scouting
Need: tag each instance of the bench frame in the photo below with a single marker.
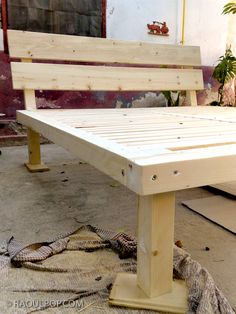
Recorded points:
(153, 286)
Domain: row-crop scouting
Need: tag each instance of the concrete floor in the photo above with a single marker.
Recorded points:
(35, 207)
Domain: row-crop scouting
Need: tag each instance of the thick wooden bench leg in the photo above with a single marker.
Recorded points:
(153, 286)
(34, 164)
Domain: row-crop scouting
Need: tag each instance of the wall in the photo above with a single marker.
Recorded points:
(232, 33)
(205, 26)
(127, 20)
(32, 15)
(1, 35)
(12, 100)
(1, 40)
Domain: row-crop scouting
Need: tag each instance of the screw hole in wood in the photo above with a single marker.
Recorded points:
(154, 177)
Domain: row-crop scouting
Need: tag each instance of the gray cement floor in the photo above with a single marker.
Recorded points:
(35, 207)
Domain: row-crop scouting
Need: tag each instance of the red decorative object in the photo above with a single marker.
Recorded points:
(158, 28)
(154, 28)
(164, 29)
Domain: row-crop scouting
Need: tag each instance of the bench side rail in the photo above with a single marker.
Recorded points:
(32, 45)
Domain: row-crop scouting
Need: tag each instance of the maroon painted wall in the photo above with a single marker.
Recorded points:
(11, 100)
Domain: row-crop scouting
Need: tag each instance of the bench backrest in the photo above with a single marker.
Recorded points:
(116, 65)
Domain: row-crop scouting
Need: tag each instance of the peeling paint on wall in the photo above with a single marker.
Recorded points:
(150, 99)
(12, 100)
(43, 103)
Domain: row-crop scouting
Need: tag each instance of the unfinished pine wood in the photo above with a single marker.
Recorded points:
(208, 114)
(152, 151)
(105, 156)
(203, 165)
(77, 48)
(125, 292)
(100, 78)
(30, 101)
(191, 98)
(29, 94)
(168, 133)
(168, 152)
(218, 209)
(34, 164)
(155, 243)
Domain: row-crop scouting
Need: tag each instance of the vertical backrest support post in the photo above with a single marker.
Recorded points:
(29, 94)
(191, 95)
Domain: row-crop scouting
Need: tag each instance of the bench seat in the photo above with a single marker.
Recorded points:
(150, 150)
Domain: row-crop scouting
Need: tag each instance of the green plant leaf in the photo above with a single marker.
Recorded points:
(225, 71)
(229, 8)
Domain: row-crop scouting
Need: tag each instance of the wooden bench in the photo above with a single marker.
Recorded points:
(152, 151)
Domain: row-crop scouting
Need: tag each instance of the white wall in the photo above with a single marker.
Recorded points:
(205, 26)
(1, 40)
(232, 33)
(127, 19)
(1, 36)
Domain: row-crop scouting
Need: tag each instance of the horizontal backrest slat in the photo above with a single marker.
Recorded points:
(102, 78)
(86, 49)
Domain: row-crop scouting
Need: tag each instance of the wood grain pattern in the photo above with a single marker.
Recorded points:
(100, 78)
(155, 249)
(143, 142)
(29, 94)
(77, 48)
(34, 164)
(125, 292)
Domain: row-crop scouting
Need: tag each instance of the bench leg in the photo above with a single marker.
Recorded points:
(34, 164)
(153, 286)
